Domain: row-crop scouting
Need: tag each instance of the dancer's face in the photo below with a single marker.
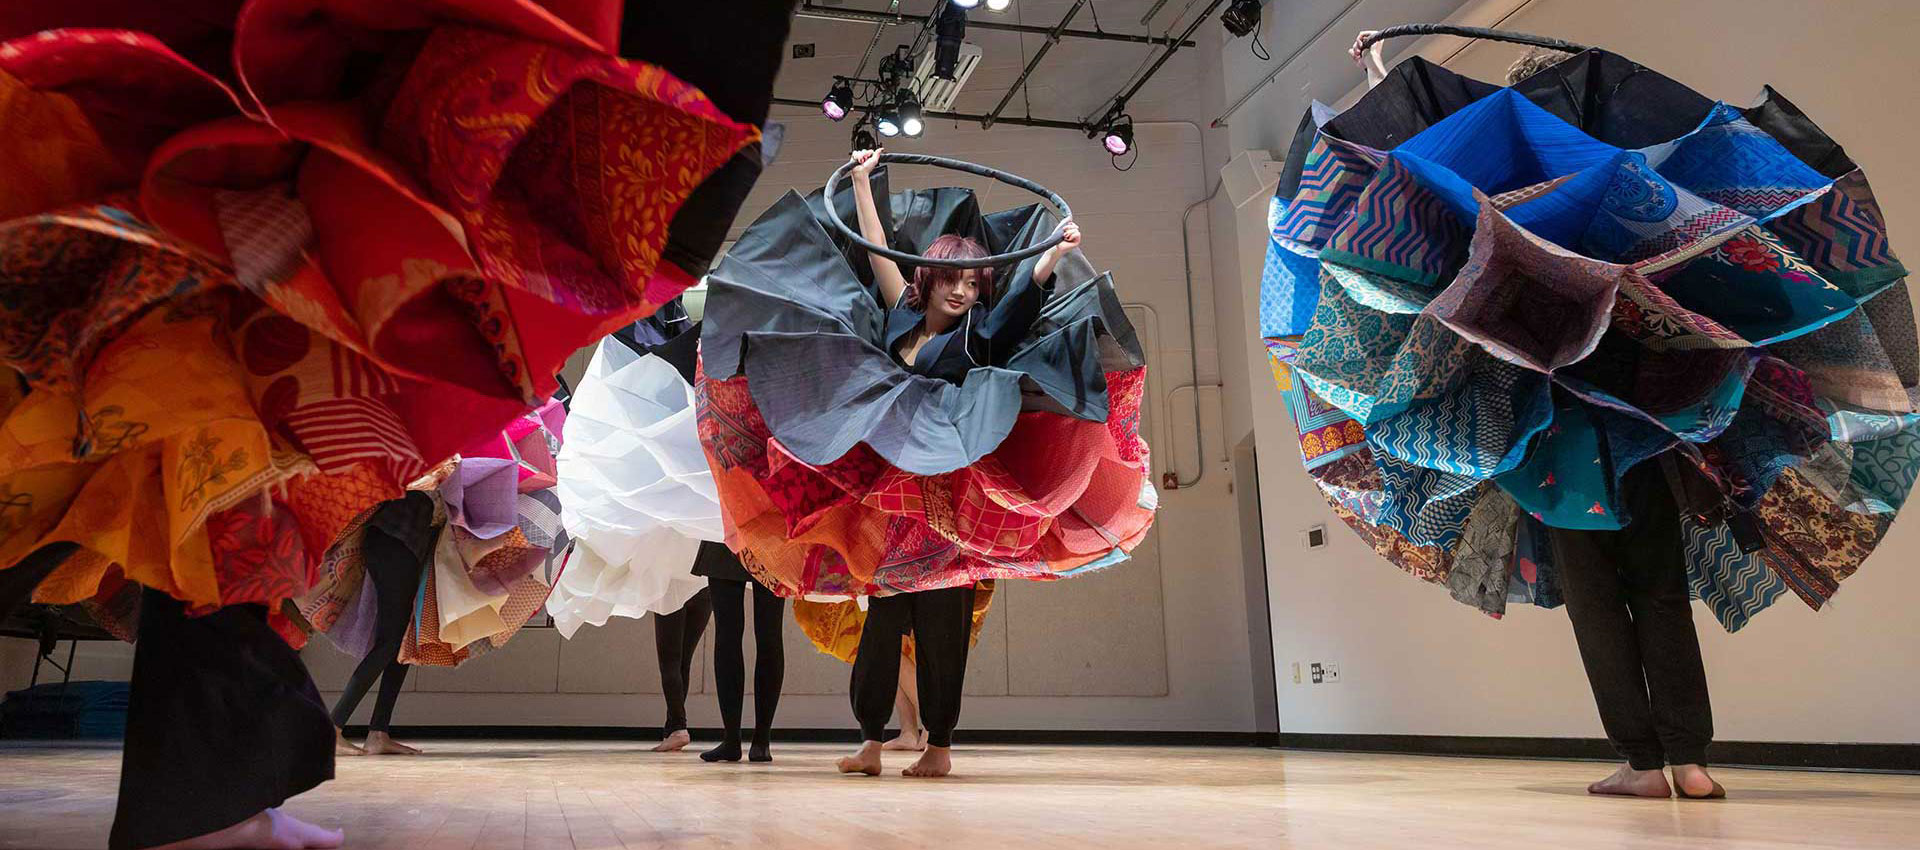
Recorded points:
(953, 298)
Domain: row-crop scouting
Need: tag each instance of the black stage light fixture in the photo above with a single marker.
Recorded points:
(1241, 18)
(907, 108)
(839, 100)
(949, 30)
(887, 122)
(863, 139)
(1118, 138)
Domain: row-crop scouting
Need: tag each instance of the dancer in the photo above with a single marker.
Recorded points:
(676, 642)
(871, 439)
(1731, 416)
(838, 628)
(939, 303)
(395, 552)
(729, 583)
(212, 401)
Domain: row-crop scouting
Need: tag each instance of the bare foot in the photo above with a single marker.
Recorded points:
(866, 761)
(935, 762)
(908, 741)
(1693, 783)
(675, 741)
(344, 747)
(1627, 782)
(269, 830)
(383, 744)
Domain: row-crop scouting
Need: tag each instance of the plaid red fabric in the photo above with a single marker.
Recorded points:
(1059, 494)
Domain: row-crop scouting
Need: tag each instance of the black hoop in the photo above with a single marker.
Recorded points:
(1475, 32)
(833, 213)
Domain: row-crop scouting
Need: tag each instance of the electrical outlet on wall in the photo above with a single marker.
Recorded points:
(1333, 673)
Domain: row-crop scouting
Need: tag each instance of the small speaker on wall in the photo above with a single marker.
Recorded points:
(1314, 537)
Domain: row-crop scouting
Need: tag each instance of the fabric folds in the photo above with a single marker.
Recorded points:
(1015, 454)
(1486, 305)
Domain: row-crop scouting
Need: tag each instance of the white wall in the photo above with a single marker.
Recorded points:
(1415, 662)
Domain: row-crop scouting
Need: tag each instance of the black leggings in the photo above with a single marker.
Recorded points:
(729, 661)
(1626, 595)
(942, 626)
(675, 636)
(395, 572)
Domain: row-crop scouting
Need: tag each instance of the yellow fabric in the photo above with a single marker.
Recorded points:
(162, 435)
(834, 627)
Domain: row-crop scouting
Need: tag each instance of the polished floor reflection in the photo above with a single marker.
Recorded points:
(536, 795)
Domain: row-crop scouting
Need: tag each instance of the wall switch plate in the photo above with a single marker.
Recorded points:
(1296, 672)
(1333, 673)
(1319, 672)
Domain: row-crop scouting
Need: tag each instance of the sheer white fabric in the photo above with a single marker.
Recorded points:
(635, 492)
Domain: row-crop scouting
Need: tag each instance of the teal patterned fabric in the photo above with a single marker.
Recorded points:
(1483, 323)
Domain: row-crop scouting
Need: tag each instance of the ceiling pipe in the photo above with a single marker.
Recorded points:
(1053, 38)
(891, 18)
(1119, 101)
(962, 116)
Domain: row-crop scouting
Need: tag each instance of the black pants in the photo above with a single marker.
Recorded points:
(942, 623)
(222, 723)
(675, 636)
(1626, 594)
(395, 570)
(729, 659)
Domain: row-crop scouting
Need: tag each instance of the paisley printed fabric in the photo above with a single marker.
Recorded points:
(1515, 300)
(264, 263)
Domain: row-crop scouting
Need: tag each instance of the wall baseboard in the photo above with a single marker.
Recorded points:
(1877, 758)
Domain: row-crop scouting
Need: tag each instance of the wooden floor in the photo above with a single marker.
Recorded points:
(539, 795)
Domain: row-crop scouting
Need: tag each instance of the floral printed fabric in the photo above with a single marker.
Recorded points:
(1511, 313)
(264, 263)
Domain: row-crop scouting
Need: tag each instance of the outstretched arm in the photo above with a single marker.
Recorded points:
(1369, 57)
(885, 272)
(1070, 240)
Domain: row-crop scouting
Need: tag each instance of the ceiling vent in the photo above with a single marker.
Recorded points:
(936, 94)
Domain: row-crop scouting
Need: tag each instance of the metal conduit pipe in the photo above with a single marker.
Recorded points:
(862, 16)
(1053, 38)
(963, 116)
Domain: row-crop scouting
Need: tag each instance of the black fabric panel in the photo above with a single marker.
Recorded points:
(223, 722)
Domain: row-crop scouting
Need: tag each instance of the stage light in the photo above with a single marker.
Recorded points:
(949, 30)
(838, 101)
(998, 5)
(906, 108)
(887, 122)
(1118, 138)
(863, 140)
(964, 4)
(1241, 18)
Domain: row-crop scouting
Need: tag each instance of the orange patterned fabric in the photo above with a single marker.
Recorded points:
(1059, 495)
(62, 160)
(253, 300)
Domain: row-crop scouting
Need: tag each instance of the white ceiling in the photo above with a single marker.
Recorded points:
(1075, 79)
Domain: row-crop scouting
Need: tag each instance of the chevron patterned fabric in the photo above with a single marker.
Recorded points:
(1482, 320)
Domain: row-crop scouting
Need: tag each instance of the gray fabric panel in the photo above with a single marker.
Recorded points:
(821, 394)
